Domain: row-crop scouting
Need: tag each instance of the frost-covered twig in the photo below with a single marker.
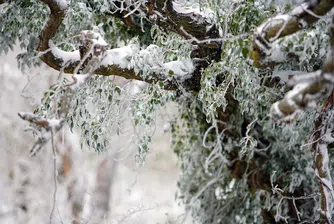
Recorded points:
(278, 191)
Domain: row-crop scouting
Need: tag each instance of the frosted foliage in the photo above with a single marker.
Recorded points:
(144, 112)
(174, 46)
(211, 95)
(149, 60)
(309, 47)
(203, 163)
(100, 108)
(226, 141)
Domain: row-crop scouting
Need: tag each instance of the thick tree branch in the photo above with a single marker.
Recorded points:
(284, 25)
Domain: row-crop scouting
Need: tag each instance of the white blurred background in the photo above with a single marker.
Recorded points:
(92, 187)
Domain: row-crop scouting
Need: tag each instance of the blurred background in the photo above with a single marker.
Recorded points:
(109, 187)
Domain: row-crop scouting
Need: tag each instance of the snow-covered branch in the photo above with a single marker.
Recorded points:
(309, 89)
(283, 25)
(118, 62)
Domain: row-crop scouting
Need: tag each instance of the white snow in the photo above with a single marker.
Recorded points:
(295, 94)
(55, 123)
(149, 60)
(275, 21)
(300, 9)
(277, 55)
(207, 14)
(120, 56)
(96, 38)
(62, 4)
(276, 113)
(65, 56)
(27, 116)
(181, 68)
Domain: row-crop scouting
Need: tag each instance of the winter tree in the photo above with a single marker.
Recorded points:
(253, 80)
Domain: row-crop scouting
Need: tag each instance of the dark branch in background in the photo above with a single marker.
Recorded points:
(284, 25)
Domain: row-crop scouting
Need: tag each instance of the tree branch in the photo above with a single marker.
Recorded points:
(110, 65)
(193, 24)
(321, 138)
(284, 25)
(309, 89)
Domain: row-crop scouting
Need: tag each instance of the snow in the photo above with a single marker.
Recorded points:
(120, 56)
(275, 21)
(130, 57)
(96, 38)
(65, 56)
(329, 77)
(181, 68)
(300, 9)
(301, 77)
(284, 75)
(55, 123)
(195, 10)
(62, 4)
(27, 116)
(276, 113)
(296, 95)
(277, 55)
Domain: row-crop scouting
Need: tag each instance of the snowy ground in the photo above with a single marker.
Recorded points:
(135, 195)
